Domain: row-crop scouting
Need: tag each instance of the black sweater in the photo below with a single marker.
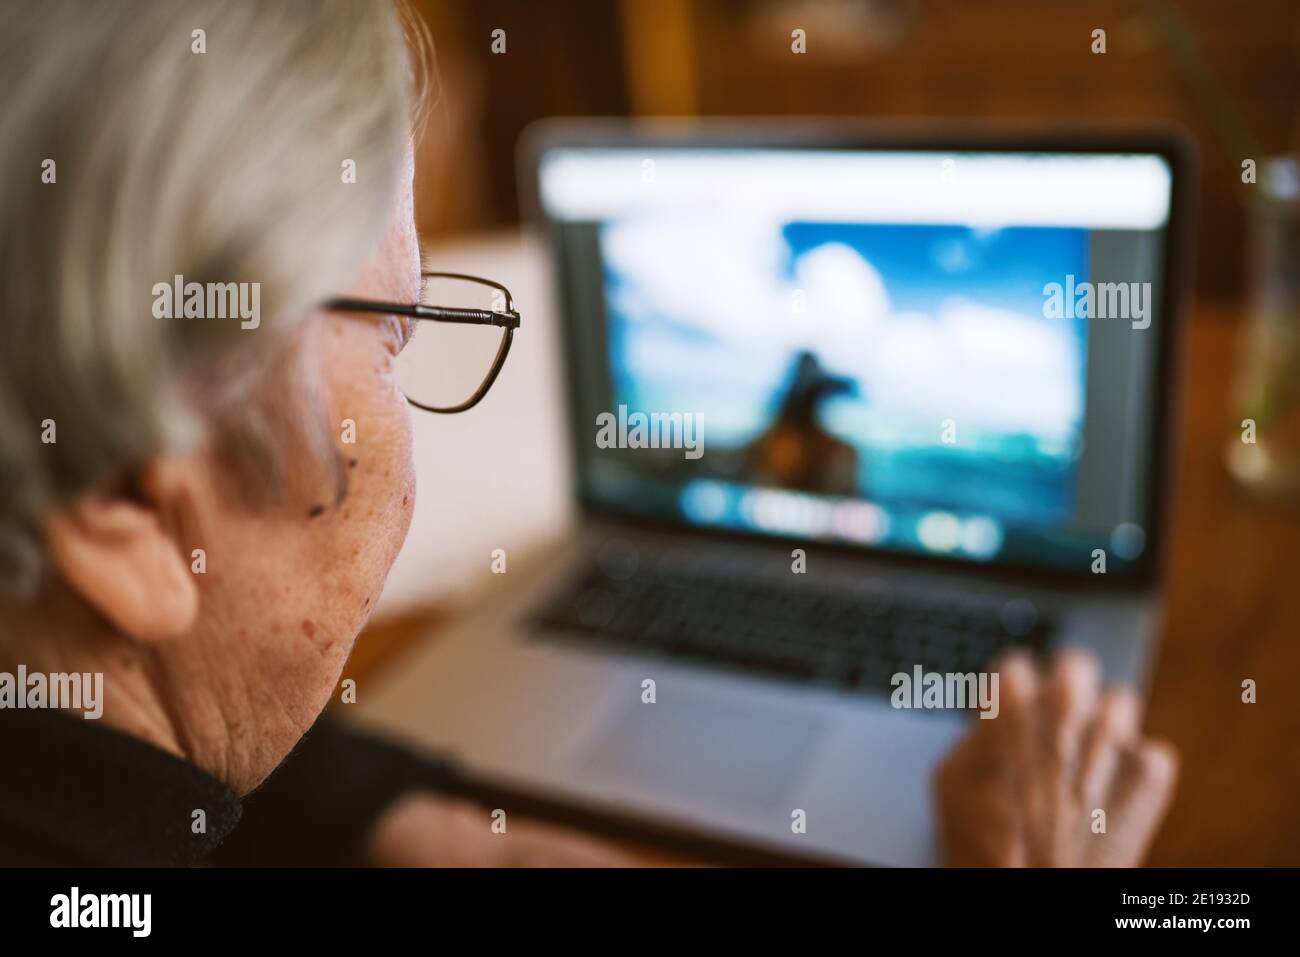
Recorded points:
(77, 793)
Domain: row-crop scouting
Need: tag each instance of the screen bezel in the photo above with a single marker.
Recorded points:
(939, 136)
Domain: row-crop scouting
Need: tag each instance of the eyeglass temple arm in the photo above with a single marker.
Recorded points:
(477, 317)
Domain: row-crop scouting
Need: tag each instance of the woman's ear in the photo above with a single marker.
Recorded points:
(121, 556)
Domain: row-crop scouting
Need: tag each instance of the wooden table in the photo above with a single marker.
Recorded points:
(1232, 612)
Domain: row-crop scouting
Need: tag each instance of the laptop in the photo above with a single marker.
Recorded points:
(849, 409)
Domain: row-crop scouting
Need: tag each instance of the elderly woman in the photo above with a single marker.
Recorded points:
(201, 495)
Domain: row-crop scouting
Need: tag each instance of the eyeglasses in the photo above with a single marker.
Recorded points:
(437, 372)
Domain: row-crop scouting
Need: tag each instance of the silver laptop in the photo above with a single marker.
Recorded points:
(851, 413)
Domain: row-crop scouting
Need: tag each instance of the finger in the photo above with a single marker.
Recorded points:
(1017, 719)
(987, 747)
(975, 758)
(1069, 701)
(979, 797)
(978, 826)
(1020, 692)
(1142, 792)
(1114, 725)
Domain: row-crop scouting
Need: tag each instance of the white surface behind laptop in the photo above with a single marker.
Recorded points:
(496, 476)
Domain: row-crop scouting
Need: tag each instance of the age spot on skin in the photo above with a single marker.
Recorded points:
(308, 628)
(315, 511)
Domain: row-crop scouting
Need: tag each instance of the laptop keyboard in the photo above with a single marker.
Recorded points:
(851, 635)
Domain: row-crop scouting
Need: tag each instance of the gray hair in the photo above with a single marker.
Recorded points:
(224, 165)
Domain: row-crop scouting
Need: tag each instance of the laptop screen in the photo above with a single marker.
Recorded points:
(951, 354)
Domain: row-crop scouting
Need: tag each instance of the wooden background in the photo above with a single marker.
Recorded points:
(966, 59)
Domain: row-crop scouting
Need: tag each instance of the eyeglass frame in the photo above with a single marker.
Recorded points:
(507, 320)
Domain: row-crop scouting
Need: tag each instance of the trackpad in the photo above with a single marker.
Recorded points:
(702, 748)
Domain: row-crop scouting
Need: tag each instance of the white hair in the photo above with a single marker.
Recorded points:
(218, 156)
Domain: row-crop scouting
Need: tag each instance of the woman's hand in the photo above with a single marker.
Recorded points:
(424, 829)
(1025, 788)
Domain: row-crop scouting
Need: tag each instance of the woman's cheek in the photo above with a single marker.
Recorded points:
(381, 479)
(408, 507)
(405, 468)
(398, 451)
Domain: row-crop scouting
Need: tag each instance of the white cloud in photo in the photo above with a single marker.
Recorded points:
(735, 281)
